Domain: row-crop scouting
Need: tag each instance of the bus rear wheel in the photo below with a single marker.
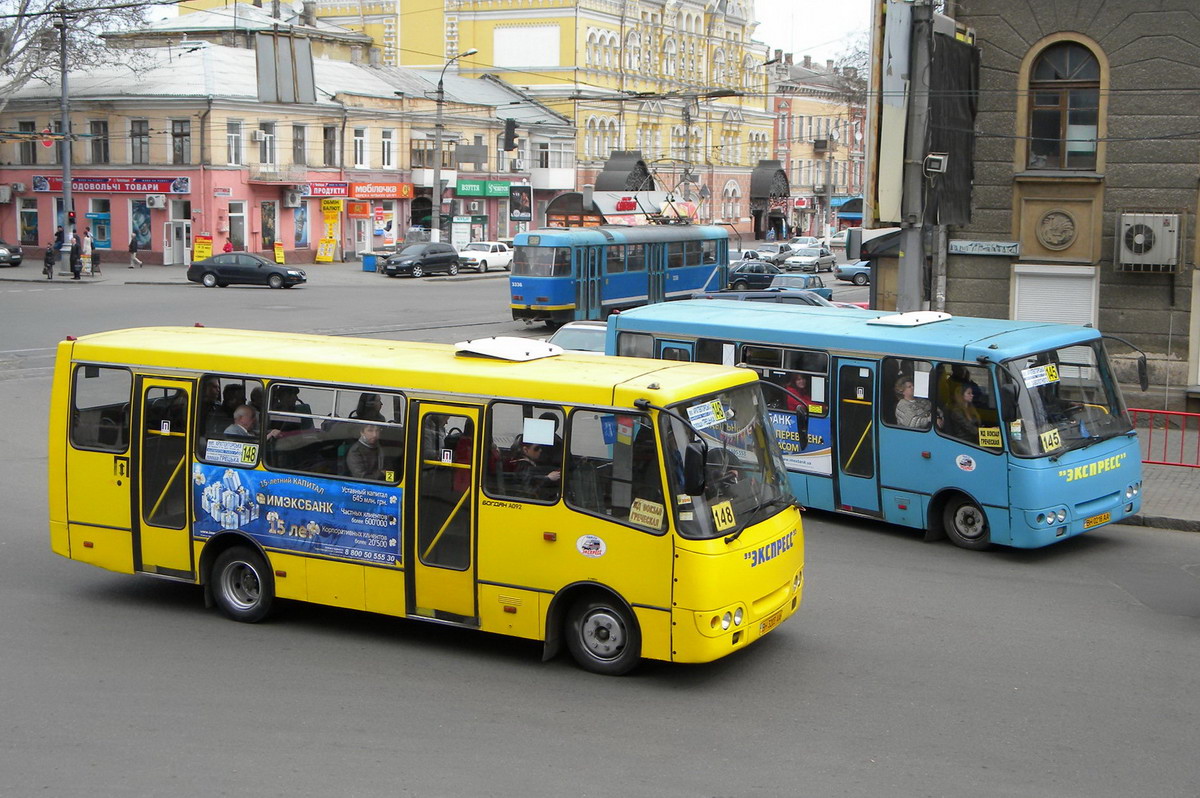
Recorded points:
(602, 637)
(242, 586)
(966, 524)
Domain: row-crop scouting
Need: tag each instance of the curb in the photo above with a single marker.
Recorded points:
(1163, 522)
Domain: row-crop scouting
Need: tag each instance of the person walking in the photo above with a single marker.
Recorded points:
(76, 256)
(49, 261)
(228, 246)
(133, 250)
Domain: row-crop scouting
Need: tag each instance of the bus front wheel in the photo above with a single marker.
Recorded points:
(242, 585)
(966, 524)
(603, 637)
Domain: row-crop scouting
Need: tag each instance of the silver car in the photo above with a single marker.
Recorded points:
(810, 259)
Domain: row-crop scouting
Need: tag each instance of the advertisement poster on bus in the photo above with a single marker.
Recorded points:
(805, 446)
(333, 518)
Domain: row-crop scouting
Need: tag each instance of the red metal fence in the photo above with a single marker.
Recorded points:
(1168, 437)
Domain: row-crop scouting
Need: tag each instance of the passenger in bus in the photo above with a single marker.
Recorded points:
(799, 397)
(529, 477)
(912, 412)
(234, 396)
(245, 423)
(961, 419)
(286, 398)
(370, 408)
(364, 460)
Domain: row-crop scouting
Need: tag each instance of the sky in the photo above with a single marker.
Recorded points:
(820, 28)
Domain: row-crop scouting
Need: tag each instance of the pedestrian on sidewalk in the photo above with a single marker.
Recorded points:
(59, 238)
(49, 261)
(133, 249)
(228, 246)
(76, 256)
(85, 249)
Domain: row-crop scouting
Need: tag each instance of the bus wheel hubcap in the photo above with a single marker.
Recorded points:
(603, 634)
(969, 522)
(242, 585)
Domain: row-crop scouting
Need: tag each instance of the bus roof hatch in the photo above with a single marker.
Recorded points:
(914, 318)
(507, 348)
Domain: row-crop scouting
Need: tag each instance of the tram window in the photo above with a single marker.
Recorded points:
(692, 252)
(525, 452)
(635, 345)
(708, 251)
(905, 397)
(614, 259)
(100, 410)
(613, 468)
(675, 257)
(542, 262)
(636, 260)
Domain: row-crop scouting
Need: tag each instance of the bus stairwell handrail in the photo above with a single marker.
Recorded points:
(1167, 437)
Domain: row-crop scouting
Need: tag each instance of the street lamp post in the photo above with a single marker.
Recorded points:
(435, 222)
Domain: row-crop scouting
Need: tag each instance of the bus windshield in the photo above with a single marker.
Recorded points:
(1061, 399)
(745, 478)
(542, 262)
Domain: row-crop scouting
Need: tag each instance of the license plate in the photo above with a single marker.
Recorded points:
(1097, 520)
(770, 623)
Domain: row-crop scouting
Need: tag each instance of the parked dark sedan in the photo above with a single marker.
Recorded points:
(244, 268)
(779, 296)
(752, 274)
(10, 254)
(418, 260)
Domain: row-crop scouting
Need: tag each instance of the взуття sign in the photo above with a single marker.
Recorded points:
(1010, 249)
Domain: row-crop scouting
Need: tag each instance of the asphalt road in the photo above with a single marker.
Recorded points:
(912, 669)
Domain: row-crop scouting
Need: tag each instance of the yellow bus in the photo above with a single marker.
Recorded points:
(628, 508)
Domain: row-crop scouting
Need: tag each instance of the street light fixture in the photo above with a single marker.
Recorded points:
(435, 221)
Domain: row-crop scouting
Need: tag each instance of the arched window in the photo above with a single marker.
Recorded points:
(633, 51)
(1064, 108)
(669, 51)
(731, 201)
(718, 68)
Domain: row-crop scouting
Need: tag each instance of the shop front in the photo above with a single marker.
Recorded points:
(486, 203)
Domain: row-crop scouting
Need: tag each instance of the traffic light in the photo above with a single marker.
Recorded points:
(510, 135)
(70, 217)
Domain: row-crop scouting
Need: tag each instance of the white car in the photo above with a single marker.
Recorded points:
(484, 255)
(581, 336)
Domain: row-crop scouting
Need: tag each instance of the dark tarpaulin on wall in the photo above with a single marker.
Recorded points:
(625, 171)
(953, 102)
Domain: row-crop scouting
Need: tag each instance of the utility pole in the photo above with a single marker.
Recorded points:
(435, 221)
(65, 144)
(910, 288)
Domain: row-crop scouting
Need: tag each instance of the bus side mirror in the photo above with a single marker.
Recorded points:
(694, 457)
(1143, 373)
(854, 244)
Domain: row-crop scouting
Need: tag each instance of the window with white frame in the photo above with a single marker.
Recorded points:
(181, 141)
(553, 154)
(387, 149)
(266, 143)
(299, 145)
(233, 142)
(360, 148)
(731, 201)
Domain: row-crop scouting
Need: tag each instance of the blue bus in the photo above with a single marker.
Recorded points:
(986, 430)
(562, 274)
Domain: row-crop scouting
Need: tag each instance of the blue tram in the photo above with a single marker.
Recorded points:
(562, 274)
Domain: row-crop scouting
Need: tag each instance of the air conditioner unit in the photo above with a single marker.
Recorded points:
(1148, 239)
(474, 206)
(5, 194)
(18, 187)
(518, 164)
(818, 188)
(156, 202)
(820, 145)
(292, 199)
(258, 135)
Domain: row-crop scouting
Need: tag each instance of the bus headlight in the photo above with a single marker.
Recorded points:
(1129, 491)
(1062, 516)
(737, 617)
(726, 619)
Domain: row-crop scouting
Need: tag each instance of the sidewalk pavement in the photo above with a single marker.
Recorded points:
(1170, 497)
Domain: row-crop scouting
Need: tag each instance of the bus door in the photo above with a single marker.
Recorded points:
(440, 546)
(674, 350)
(161, 477)
(589, 288)
(656, 273)
(855, 436)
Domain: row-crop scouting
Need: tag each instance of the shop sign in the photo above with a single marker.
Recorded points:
(279, 252)
(122, 184)
(469, 188)
(358, 210)
(331, 206)
(381, 190)
(222, 191)
(201, 247)
(495, 188)
(1010, 249)
(334, 189)
(325, 250)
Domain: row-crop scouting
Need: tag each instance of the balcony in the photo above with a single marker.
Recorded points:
(551, 178)
(277, 173)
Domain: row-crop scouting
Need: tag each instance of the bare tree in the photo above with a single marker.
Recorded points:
(29, 37)
(852, 69)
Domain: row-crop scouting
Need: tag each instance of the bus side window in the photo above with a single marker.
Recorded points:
(525, 451)
(635, 344)
(710, 350)
(100, 408)
(613, 468)
(906, 393)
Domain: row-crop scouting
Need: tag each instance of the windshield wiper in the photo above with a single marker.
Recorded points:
(1081, 443)
(758, 515)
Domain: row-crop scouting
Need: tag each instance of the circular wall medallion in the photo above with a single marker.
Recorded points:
(1056, 229)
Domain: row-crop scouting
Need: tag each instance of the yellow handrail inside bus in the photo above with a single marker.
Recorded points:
(161, 496)
(858, 445)
(446, 525)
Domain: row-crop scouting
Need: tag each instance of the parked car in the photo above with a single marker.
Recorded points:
(776, 253)
(802, 282)
(484, 255)
(244, 268)
(580, 336)
(838, 239)
(10, 254)
(810, 259)
(858, 273)
(788, 297)
(804, 241)
(754, 273)
(418, 260)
